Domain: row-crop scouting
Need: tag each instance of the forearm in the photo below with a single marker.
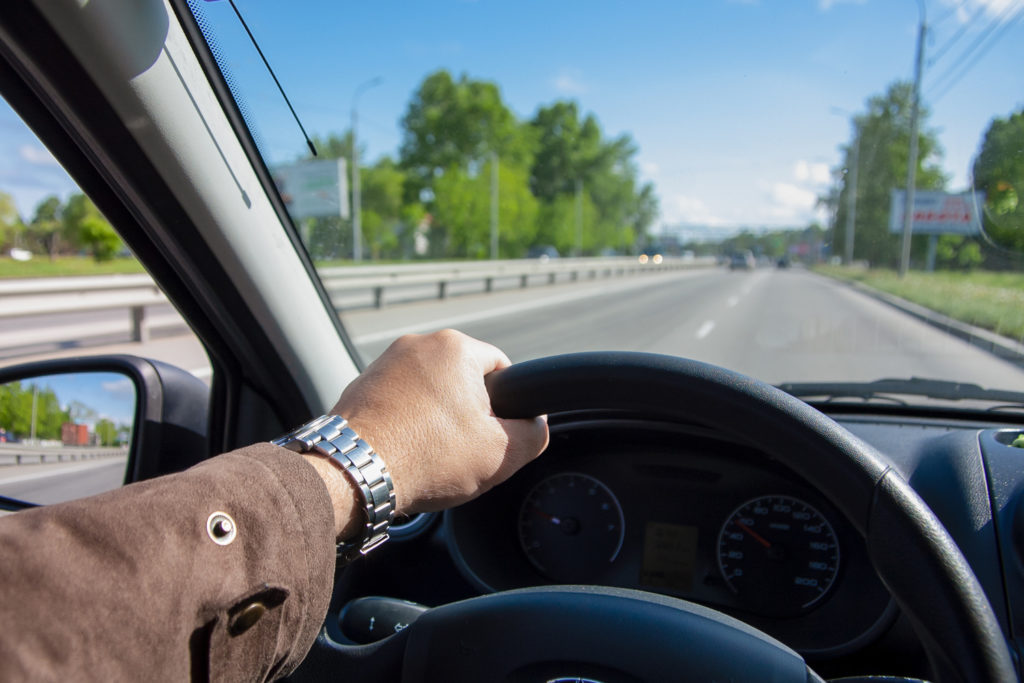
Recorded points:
(132, 581)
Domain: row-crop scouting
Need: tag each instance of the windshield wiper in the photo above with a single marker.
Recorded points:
(887, 389)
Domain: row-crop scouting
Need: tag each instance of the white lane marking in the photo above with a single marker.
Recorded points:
(705, 329)
(60, 470)
(511, 309)
(732, 301)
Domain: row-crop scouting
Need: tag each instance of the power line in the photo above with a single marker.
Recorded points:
(956, 36)
(977, 57)
(981, 38)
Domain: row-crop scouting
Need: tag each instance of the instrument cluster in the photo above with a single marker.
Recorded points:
(683, 513)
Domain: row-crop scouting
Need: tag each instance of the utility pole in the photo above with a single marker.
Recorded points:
(357, 227)
(851, 198)
(494, 206)
(908, 207)
(35, 402)
(579, 217)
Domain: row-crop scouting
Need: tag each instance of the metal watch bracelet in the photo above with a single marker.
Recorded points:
(330, 436)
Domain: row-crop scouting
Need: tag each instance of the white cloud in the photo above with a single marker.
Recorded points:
(38, 156)
(569, 82)
(816, 173)
(825, 5)
(649, 168)
(791, 196)
(966, 9)
(680, 208)
(119, 387)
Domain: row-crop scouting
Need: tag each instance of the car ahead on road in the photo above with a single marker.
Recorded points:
(742, 260)
(689, 522)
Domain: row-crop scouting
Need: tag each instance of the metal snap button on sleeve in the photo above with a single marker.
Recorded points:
(246, 618)
(221, 528)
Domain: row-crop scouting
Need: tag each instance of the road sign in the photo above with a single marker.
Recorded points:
(938, 213)
(314, 188)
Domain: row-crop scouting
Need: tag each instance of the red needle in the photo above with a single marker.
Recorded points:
(551, 518)
(753, 534)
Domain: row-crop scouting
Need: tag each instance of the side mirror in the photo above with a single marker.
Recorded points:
(79, 426)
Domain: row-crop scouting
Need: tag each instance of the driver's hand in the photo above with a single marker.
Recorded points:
(423, 407)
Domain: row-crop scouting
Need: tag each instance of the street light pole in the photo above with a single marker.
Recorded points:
(494, 206)
(851, 198)
(908, 206)
(357, 227)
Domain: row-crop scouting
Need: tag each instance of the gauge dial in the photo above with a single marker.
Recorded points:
(778, 554)
(570, 527)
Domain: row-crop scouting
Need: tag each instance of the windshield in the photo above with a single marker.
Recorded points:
(725, 181)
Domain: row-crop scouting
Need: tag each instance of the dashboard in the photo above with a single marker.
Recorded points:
(637, 502)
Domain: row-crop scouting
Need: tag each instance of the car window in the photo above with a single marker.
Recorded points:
(724, 181)
(70, 287)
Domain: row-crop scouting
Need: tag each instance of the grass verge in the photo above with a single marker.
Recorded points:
(992, 300)
(40, 266)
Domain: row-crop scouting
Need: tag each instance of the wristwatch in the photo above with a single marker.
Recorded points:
(330, 436)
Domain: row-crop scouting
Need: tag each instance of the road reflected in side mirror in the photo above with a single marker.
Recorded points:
(65, 436)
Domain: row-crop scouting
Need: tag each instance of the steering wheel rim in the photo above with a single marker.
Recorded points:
(912, 552)
(914, 555)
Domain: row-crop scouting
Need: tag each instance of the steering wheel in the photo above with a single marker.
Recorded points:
(605, 634)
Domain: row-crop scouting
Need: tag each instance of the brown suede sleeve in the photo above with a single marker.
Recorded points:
(129, 585)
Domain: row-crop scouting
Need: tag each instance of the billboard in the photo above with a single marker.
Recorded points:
(938, 213)
(312, 189)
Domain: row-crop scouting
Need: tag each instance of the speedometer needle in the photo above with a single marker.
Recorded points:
(543, 515)
(753, 534)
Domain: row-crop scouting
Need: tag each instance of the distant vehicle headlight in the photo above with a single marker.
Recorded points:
(643, 258)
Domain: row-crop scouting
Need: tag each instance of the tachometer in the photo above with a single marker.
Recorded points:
(778, 554)
(570, 527)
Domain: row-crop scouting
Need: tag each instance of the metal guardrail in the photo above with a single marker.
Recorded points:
(51, 296)
(19, 454)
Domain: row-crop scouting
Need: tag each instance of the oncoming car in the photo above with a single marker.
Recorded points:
(793, 475)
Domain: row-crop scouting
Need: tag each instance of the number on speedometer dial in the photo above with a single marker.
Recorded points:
(778, 554)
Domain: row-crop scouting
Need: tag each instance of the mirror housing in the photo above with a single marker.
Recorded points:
(171, 409)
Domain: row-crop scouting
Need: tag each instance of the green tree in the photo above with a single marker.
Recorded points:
(884, 132)
(46, 225)
(382, 192)
(458, 123)
(999, 173)
(11, 225)
(572, 153)
(106, 432)
(85, 227)
(463, 206)
(16, 411)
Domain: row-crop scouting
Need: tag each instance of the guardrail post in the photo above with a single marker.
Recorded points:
(574, 275)
(378, 297)
(489, 284)
(140, 333)
(551, 278)
(17, 459)
(442, 289)
(524, 281)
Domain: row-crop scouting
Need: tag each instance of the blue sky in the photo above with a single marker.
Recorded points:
(730, 102)
(108, 394)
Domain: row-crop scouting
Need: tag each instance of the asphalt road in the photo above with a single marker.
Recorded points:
(776, 325)
(61, 482)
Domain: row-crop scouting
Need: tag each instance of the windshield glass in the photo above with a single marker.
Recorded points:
(725, 181)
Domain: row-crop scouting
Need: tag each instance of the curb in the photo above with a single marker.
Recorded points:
(997, 345)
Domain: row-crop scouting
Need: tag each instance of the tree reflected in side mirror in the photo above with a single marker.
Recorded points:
(65, 436)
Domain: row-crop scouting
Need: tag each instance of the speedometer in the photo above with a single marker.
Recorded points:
(778, 554)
